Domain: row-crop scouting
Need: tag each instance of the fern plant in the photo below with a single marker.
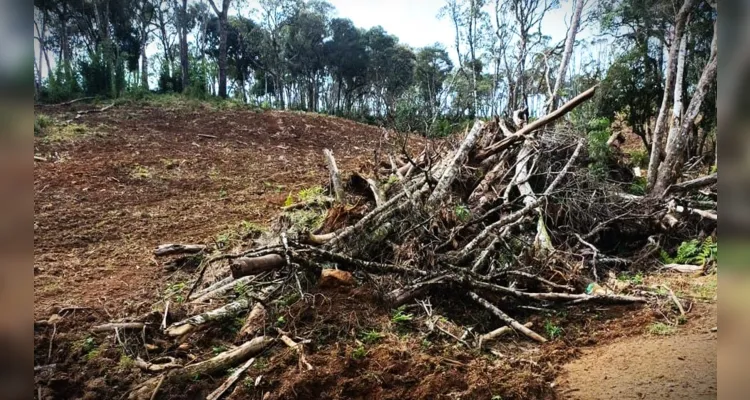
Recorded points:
(693, 252)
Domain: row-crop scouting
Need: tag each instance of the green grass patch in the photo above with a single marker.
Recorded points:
(661, 329)
(371, 336)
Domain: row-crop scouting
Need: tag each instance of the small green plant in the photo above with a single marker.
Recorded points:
(280, 321)
(223, 195)
(240, 289)
(359, 353)
(462, 213)
(126, 362)
(371, 336)
(553, 331)
(636, 279)
(249, 382)
(693, 252)
(638, 186)
(218, 349)
(310, 194)
(175, 291)
(497, 397)
(426, 344)
(41, 122)
(260, 364)
(140, 172)
(400, 317)
(639, 158)
(289, 200)
(251, 229)
(661, 329)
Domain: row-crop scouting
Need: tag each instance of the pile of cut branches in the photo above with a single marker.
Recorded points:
(506, 217)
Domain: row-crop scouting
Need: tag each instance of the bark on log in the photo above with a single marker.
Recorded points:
(171, 249)
(400, 296)
(158, 364)
(693, 184)
(190, 324)
(684, 268)
(223, 289)
(507, 319)
(449, 173)
(338, 187)
(244, 266)
(376, 192)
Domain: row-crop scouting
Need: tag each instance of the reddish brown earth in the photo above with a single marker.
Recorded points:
(140, 176)
(97, 218)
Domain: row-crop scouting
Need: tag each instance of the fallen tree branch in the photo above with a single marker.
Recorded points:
(188, 325)
(693, 184)
(506, 318)
(299, 349)
(211, 366)
(497, 333)
(171, 249)
(230, 380)
(244, 266)
(118, 325)
(521, 133)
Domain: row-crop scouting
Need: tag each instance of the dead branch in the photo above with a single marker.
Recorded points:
(118, 325)
(158, 364)
(693, 184)
(506, 318)
(172, 249)
(230, 380)
(338, 187)
(188, 325)
(255, 321)
(497, 333)
(300, 351)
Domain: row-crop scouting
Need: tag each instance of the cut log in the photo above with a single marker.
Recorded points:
(188, 325)
(171, 249)
(245, 266)
(507, 319)
(338, 187)
(255, 322)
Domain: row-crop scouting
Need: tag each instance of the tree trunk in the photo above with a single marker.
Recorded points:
(656, 140)
(223, 18)
(144, 63)
(671, 168)
(570, 41)
(184, 48)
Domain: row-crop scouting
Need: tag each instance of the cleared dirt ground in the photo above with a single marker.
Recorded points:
(116, 184)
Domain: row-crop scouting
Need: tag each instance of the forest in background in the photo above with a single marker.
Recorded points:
(293, 54)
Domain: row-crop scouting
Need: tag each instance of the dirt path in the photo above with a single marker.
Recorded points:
(678, 366)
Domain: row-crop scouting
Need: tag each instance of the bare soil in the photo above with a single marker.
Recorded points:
(137, 176)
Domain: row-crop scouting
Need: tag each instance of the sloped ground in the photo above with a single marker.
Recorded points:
(135, 177)
(118, 183)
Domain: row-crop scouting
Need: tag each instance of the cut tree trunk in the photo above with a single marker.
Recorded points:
(244, 266)
(570, 41)
(171, 249)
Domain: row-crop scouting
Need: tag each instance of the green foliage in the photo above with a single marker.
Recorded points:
(126, 362)
(693, 252)
(359, 353)
(638, 186)
(400, 317)
(310, 194)
(636, 279)
(462, 212)
(371, 336)
(598, 132)
(218, 349)
(41, 122)
(62, 84)
(639, 158)
(553, 331)
(661, 329)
